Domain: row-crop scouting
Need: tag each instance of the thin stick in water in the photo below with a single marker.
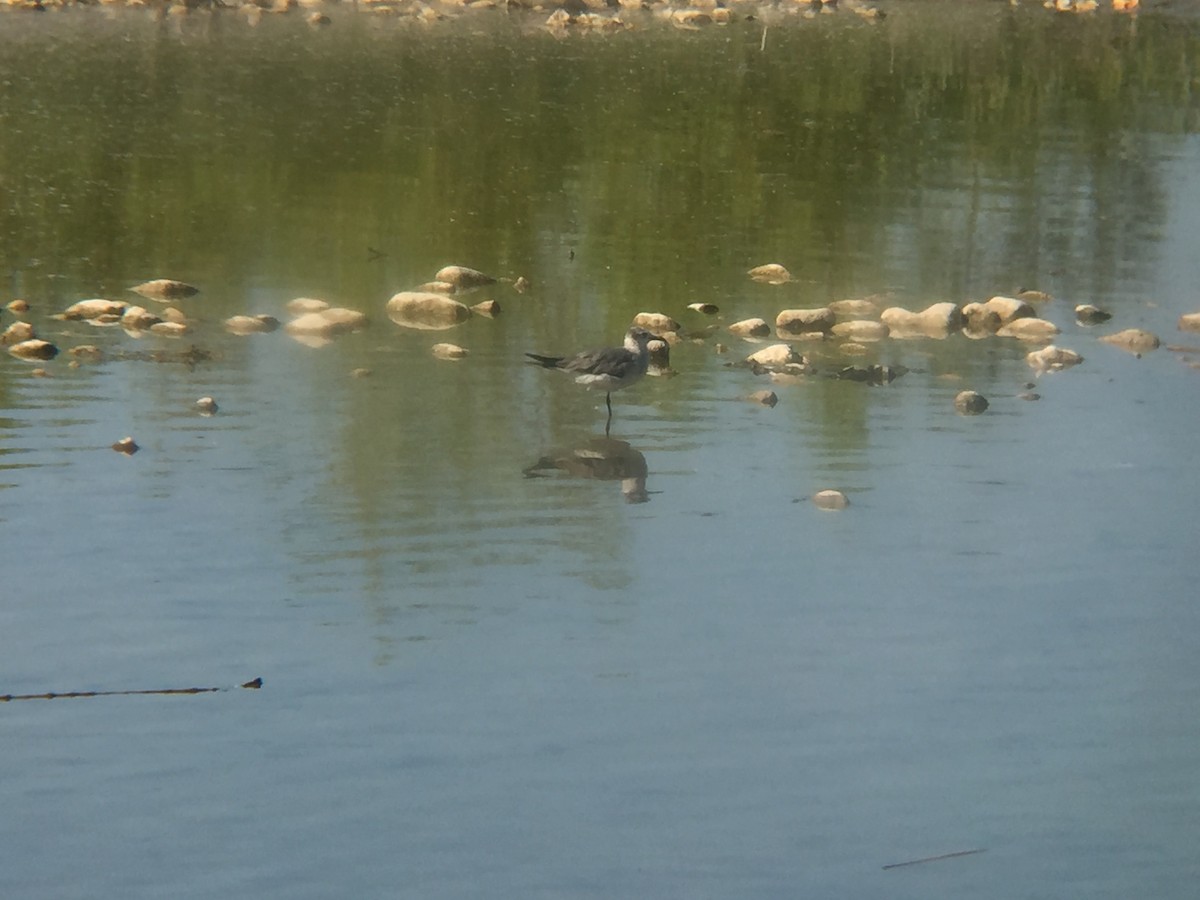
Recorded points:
(913, 862)
(53, 695)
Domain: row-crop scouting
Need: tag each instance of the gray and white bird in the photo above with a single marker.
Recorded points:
(608, 369)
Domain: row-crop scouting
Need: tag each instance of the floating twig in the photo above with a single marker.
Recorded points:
(52, 695)
(913, 862)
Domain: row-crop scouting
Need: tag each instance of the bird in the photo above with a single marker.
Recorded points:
(608, 369)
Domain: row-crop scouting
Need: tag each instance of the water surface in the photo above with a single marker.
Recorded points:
(479, 683)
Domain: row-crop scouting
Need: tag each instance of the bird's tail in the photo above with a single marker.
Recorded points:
(548, 362)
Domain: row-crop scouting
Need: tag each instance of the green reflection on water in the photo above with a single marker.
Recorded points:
(668, 161)
(948, 152)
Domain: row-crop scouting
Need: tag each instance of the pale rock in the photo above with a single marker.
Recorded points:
(436, 287)
(169, 329)
(126, 445)
(138, 318)
(658, 323)
(1033, 296)
(1133, 340)
(775, 357)
(1053, 359)
(1029, 329)
(165, 289)
(463, 278)
(707, 309)
(830, 500)
(861, 330)
(207, 406)
(489, 309)
(34, 348)
(936, 321)
(854, 309)
(997, 311)
(302, 305)
(805, 321)
(259, 324)
(771, 273)
(756, 328)
(326, 323)
(89, 352)
(765, 398)
(343, 320)
(426, 311)
(95, 309)
(16, 333)
(1189, 322)
(1086, 314)
(970, 403)
(449, 351)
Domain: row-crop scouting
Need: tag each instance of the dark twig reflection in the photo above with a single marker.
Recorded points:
(601, 458)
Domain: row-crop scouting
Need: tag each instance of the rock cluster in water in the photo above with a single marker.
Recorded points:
(805, 343)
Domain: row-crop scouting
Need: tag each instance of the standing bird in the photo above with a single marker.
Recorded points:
(609, 369)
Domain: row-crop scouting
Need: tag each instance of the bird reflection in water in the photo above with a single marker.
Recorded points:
(601, 458)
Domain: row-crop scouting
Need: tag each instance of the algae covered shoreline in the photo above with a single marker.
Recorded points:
(582, 15)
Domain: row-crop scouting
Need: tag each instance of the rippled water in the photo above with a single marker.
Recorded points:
(482, 681)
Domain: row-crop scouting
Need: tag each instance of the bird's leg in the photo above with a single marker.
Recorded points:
(608, 421)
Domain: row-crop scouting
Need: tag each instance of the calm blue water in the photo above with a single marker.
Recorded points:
(478, 684)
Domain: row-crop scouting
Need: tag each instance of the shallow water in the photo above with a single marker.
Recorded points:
(478, 683)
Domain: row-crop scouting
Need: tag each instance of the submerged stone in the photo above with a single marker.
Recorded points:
(775, 357)
(861, 330)
(1029, 329)
(830, 500)
(1053, 359)
(426, 311)
(207, 406)
(771, 273)
(165, 289)
(1133, 340)
(1189, 322)
(707, 309)
(16, 333)
(1086, 314)
(436, 287)
(138, 318)
(463, 278)
(936, 321)
(751, 328)
(659, 323)
(302, 305)
(449, 351)
(858, 308)
(997, 311)
(326, 323)
(169, 329)
(259, 324)
(970, 403)
(766, 398)
(805, 321)
(34, 348)
(95, 309)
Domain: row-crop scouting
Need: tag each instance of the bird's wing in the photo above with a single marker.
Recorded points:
(616, 362)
